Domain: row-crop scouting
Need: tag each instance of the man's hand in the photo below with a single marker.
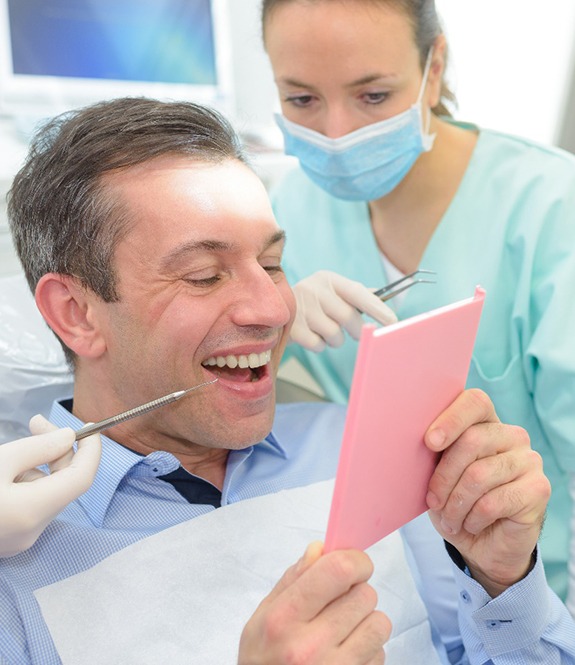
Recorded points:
(488, 494)
(322, 611)
(329, 304)
(30, 499)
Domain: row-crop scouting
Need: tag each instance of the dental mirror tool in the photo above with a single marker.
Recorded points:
(94, 428)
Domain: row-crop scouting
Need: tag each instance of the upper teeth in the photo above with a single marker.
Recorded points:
(252, 360)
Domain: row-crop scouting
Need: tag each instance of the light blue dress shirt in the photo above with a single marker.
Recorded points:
(127, 502)
(511, 228)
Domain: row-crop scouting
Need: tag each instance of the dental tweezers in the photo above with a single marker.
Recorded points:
(94, 428)
(395, 288)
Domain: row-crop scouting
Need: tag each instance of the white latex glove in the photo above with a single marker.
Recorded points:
(29, 498)
(328, 304)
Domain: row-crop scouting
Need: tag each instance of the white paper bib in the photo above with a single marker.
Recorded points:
(184, 595)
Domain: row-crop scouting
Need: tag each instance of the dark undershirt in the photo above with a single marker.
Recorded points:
(192, 488)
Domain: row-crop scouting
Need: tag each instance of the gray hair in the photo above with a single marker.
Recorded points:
(62, 218)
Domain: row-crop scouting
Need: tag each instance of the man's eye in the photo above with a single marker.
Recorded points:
(206, 281)
(273, 269)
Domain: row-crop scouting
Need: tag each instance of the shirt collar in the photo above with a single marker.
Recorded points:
(115, 464)
(273, 442)
(117, 461)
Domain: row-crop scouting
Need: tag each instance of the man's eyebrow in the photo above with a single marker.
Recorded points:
(194, 247)
(278, 236)
(199, 246)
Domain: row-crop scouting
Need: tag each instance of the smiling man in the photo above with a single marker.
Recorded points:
(193, 302)
(155, 258)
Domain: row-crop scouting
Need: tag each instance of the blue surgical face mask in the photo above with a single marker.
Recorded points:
(365, 164)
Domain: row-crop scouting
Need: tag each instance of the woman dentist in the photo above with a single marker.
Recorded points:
(389, 183)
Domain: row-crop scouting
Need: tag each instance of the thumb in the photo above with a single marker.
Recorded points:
(312, 553)
(379, 311)
(364, 300)
(39, 425)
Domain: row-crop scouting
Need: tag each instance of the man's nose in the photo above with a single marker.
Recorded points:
(260, 301)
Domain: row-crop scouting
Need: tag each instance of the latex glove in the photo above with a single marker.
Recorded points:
(328, 304)
(29, 498)
(321, 611)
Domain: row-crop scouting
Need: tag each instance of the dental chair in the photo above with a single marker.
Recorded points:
(33, 371)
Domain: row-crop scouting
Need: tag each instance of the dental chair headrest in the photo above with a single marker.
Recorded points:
(33, 370)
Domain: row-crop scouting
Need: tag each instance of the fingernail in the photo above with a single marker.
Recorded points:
(436, 438)
(312, 553)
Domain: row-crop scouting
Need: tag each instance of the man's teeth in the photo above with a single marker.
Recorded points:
(252, 360)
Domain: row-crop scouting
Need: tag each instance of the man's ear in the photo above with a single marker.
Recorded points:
(67, 308)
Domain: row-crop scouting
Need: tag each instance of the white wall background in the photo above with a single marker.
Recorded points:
(512, 60)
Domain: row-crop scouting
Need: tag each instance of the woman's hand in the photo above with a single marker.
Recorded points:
(329, 304)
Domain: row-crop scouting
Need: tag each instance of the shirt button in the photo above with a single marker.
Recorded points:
(493, 624)
(465, 597)
(155, 470)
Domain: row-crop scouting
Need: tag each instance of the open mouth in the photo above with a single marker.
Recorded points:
(241, 369)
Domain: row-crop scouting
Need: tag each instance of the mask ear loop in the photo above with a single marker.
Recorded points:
(426, 69)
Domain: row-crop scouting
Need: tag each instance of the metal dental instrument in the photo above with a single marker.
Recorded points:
(94, 428)
(395, 288)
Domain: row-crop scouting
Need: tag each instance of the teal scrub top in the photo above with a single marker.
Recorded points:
(511, 229)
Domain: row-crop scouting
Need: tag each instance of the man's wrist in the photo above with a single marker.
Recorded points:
(493, 587)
